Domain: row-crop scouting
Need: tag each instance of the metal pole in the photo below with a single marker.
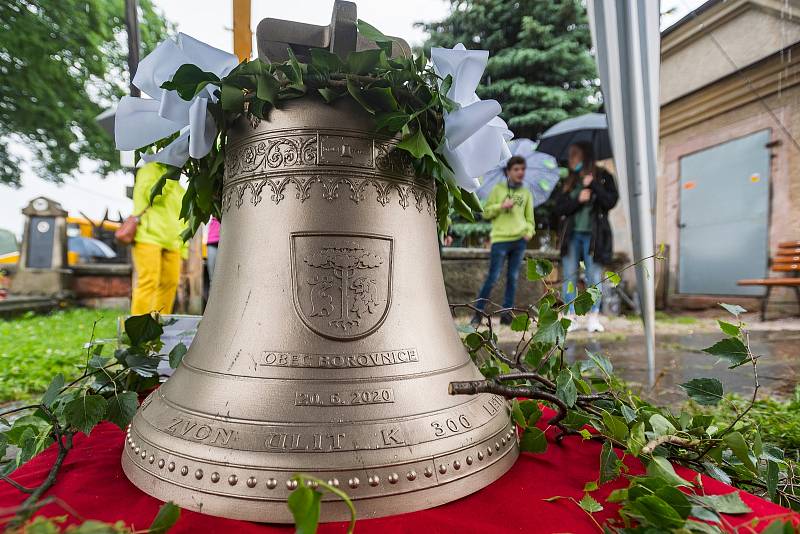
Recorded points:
(132, 27)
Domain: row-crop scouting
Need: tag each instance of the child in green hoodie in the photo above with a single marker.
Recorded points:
(510, 209)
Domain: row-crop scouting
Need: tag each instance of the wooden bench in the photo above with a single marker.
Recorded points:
(787, 260)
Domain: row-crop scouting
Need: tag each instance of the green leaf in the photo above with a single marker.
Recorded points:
(392, 121)
(733, 309)
(675, 498)
(771, 478)
(416, 145)
(166, 518)
(658, 512)
(729, 329)
(85, 411)
(585, 300)
(142, 328)
(550, 329)
(521, 323)
(304, 503)
(615, 426)
(371, 32)
(122, 407)
(780, 526)
(473, 340)
(701, 512)
(531, 411)
(590, 486)
(142, 364)
(662, 468)
(705, 391)
(176, 355)
(295, 73)
(189, 80)
(628, 413)
(590, 504)
(517, 415)
(729, 503)
(268, 88)
(716, 472)
(539, 268)
(328, 94)
(381, 98)
(325, 60)
(730, 349)
(232, 98)
(700, 527)
(358, 95)
(737, 443)
(53, 390)
(618, 495)
(533, 440)
(364, 61)
(603, 363)
(612, 278)
(471, 200)
(565, 388)
(609, 464)
(98, 362)
(661, 425)
(636, 439)
(536, 352)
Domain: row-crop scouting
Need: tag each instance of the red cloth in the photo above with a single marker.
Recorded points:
(91, 482)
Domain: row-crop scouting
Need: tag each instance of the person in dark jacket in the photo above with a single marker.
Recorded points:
(582, 204)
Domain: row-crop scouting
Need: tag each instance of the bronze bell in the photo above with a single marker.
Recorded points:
(327, 345)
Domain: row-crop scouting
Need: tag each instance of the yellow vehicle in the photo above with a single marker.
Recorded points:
(76, 227)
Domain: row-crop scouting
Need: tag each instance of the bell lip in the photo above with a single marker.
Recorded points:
(277, 512)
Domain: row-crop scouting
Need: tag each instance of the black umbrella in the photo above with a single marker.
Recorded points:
(590, 128)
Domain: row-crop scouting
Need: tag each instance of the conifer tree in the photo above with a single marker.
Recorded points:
(540, 67)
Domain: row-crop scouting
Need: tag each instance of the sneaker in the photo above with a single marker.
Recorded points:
(593, 323)
(506, 319)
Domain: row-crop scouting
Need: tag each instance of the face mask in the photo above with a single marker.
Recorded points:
(578, 167)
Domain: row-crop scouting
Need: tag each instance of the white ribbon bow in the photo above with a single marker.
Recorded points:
(475, 137)
(141, 121)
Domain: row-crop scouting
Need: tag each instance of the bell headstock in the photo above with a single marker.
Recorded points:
(275, 36)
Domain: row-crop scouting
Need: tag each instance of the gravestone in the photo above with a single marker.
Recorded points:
(43, 268)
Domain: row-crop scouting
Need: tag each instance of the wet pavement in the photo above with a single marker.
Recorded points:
(679, 358)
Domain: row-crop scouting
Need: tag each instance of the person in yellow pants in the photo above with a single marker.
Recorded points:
(158, 247)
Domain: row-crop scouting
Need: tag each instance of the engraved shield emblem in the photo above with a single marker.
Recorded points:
(342, 282)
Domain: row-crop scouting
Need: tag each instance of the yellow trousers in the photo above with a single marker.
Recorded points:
(157, 273)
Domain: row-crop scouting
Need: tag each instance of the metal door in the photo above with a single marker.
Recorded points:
(724, 215)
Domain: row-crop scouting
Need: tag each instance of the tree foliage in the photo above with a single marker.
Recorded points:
(61, 64)
(540, 68)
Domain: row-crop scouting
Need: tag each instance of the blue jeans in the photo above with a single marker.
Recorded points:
(514, 251)
(578, 251)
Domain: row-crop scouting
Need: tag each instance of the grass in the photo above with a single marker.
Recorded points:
(36, 347)
(778, 420)
(675, 319)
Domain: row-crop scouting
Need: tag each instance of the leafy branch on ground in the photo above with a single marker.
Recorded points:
(108, 389)
(404, 94)
(593, 404)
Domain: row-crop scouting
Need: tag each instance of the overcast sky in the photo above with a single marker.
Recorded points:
(211, 21)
